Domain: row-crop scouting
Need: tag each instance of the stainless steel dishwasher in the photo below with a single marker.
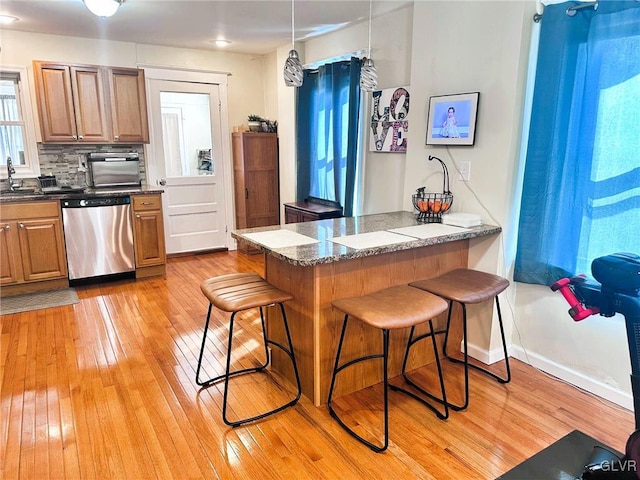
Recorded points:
(98, 236)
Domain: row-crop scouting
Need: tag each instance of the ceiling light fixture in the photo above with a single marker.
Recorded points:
(222, 43)
(293, 67)
(6, 19)
(368, 72)
(103, 8)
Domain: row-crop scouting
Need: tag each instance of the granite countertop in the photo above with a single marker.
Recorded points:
(9, 197)
(332, 240)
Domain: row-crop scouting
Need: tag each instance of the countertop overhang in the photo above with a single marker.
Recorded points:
(324, 250)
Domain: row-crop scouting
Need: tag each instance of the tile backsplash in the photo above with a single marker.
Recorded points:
(63, 161)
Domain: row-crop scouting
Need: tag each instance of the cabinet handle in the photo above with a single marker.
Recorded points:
(21, 225)
(80, 137)
(147, 203)
(74, 137)
(246, 193)
(7, 227)
(137, 215)
(116, 137)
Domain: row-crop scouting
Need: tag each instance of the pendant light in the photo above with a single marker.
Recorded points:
(293, 67)
(368, 72)
(103, 8)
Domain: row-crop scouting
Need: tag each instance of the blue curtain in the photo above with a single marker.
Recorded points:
(581, 192)
(327, 133)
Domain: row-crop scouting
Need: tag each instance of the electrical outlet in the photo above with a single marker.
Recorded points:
(465, 171)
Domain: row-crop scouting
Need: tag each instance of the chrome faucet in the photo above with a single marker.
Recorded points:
(10, 172)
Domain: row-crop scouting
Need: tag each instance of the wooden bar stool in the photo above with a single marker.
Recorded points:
(467, 286)
(234, 293)
(388, 309)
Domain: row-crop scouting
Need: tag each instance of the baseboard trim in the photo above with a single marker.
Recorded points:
(573, 377)
(565, 374)
(488, 357)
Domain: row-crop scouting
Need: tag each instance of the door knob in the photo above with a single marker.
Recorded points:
(162, 182)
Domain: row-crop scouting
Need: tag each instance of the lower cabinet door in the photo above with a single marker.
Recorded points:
(42, 249)
(9, 254)
(149, 238)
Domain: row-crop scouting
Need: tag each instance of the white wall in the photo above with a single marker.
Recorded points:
(472, 47)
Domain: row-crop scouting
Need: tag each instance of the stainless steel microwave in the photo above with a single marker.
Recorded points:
(113, 169)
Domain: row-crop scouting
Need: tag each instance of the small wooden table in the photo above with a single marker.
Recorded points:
(308, 211)
(318, 272)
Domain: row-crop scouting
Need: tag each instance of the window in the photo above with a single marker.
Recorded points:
(327, 117)
(581, 193)
(17, 135)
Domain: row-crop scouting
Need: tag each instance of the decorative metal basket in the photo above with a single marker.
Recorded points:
(431, 206)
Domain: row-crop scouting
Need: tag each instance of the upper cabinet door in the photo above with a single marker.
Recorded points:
(72, 103)
(91, 109)
(128, 105)
(55, 102)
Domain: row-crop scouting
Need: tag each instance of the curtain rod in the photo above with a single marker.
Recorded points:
(571, 11)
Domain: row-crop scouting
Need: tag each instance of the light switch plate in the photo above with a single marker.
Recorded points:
(465, 171)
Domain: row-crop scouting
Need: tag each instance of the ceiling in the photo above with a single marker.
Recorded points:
(253, 27)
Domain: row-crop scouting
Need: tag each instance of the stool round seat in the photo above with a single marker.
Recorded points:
(240, 291)
(464, 285)
(393, 308)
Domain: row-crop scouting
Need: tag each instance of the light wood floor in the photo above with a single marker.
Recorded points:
(105, 389)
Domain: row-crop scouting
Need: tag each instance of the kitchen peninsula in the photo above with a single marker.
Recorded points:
(320, 261)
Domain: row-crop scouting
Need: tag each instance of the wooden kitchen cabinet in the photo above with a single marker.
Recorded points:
(255, 181)
(128, 105)
(148, 235)
(31, 246)
(71, 103)
(91, 104)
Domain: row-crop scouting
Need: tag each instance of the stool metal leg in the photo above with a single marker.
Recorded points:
(204, 341)
(465, 361)
(228, 373)
(338, 368)
(211, 381)
(443, 400)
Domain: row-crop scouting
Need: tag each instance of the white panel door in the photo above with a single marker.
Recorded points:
(188, 163)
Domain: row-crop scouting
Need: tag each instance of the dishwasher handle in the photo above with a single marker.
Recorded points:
(87, 202)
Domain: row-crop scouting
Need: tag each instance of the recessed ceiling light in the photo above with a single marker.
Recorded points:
(5, 19)
(221, 43)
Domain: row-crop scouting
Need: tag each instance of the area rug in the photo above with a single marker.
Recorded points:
(562, 460)
(38, 301)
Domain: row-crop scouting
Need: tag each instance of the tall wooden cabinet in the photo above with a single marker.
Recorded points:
(256, 181)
